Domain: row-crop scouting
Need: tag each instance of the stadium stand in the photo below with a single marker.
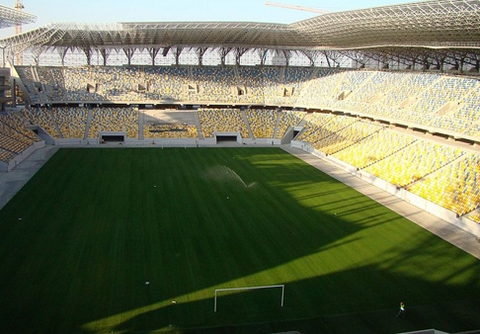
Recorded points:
(114, 120)
(432, 101)
(454, 187)
(222, 120)
(288, 119)
(374, 148)
(361, 143)
(346, 136)
(262, 122)
(43, 118)
(72, 122)
(251, 80)
(414, 162)
(15, 137)
(165, 83)
(321, 126)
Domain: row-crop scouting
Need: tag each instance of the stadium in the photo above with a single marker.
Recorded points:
(243, 177)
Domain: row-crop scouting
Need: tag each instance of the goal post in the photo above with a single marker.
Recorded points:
(278, 286)
(174, 143)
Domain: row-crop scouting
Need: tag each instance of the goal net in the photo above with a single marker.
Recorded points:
(230, 290)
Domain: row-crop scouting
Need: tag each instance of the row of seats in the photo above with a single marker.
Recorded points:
(321, 126)
(374, 148)
(346, 136)
(42, 117)
(214, 120)
(287, 120)
(454, 187)
(15, 137)
(262, 122)
(413, 162)
(442, 174)
(114, 120)
(72, 122)
(426, 99)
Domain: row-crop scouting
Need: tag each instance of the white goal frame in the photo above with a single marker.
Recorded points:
(173, 143)
(282, 286)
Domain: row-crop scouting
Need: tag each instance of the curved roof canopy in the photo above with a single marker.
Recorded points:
(162, 34)
(430, 24)
(434, 24)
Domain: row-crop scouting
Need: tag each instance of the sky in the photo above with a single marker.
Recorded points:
(110, 11)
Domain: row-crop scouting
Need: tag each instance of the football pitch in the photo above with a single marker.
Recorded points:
(136, 240)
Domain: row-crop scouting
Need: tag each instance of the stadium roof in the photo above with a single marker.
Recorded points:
(432, 25)
(10, 17)
(163, 34)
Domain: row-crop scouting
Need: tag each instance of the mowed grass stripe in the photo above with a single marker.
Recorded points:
(98, 223)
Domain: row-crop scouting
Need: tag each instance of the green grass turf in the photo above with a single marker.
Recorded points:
(96, 224)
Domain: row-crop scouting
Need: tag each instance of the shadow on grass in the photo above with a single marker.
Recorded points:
(329, 312)
(91, 238)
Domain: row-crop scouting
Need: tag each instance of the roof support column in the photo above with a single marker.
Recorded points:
(440, 62)
(458, 61)
(4, 60)
(200, 54)
(104, 53)
(474, 59)
(88, 54)
(223, 54)
(129, 52)
(62, 52)
(239, 52)
(37, 51)
(287, 54)
(262, 53)
(153, 54)
(398, 63)
(425, 62)
(384, 62)
(178, 52)
(462, 63)
(414, 61)
(10, 56)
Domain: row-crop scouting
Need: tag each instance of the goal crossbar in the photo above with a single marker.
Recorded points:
(173, 143)
(278, 286)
